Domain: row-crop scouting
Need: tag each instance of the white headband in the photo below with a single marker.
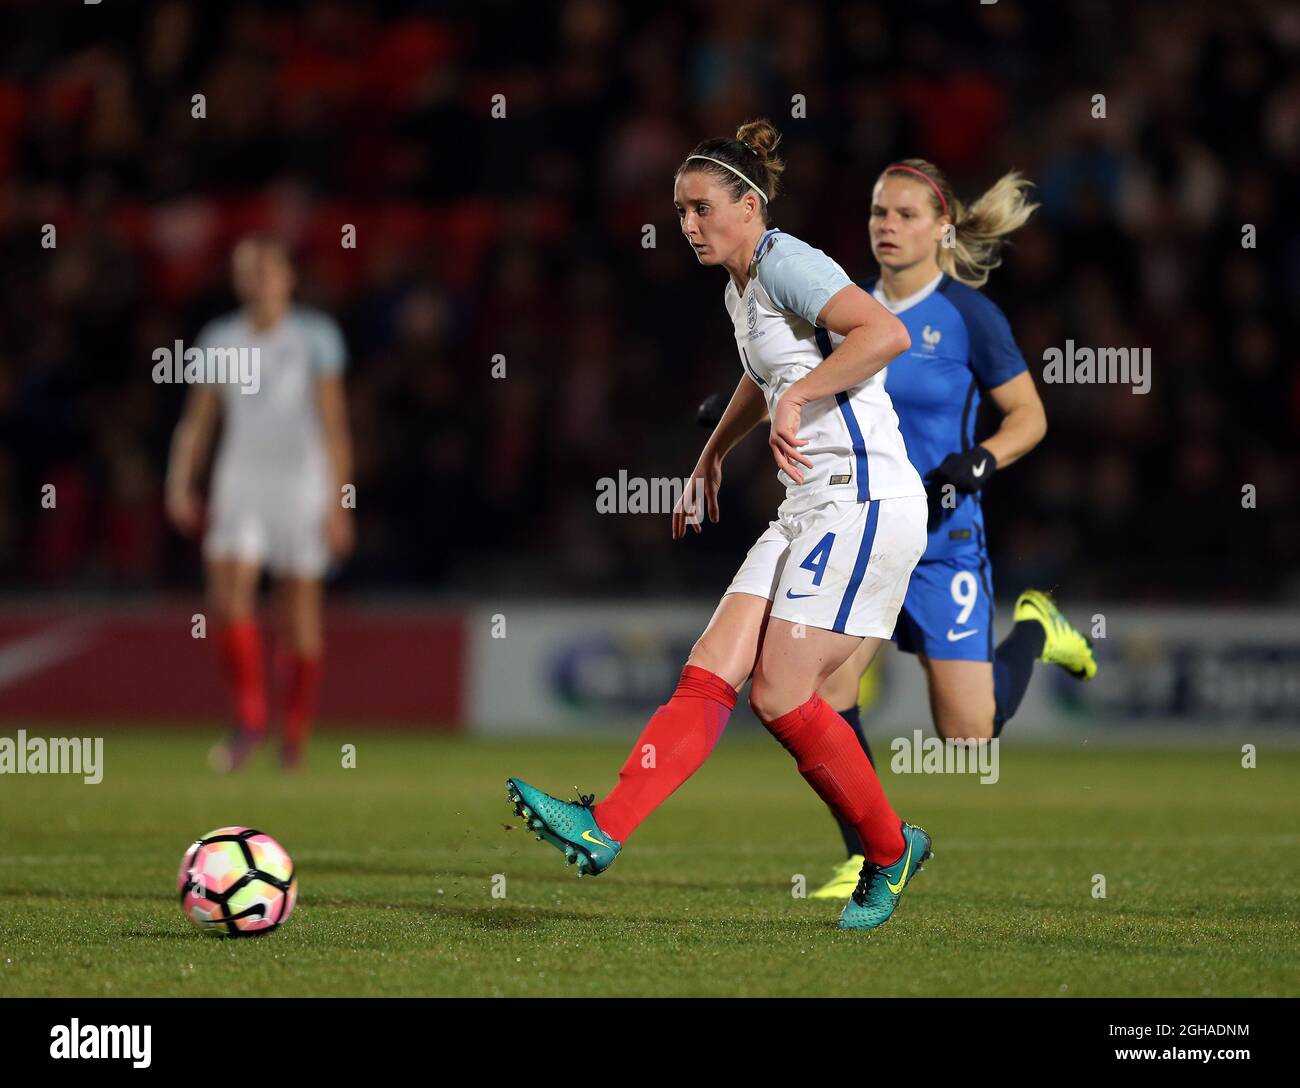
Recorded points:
(738, 174)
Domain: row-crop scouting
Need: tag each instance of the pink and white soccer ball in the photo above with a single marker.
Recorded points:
(237, 882)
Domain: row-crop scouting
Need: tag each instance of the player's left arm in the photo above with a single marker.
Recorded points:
(332, 400)
(1024, 420)
(998, 366)
(873, 337)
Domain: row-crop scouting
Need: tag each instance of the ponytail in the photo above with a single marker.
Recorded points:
(978, 229)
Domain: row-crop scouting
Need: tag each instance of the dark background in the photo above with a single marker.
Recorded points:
(522, 236)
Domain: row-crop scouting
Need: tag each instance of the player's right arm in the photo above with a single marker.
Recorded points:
(191, 445)
(747, 410)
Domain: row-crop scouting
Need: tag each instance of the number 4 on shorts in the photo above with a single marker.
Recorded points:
(818, 558)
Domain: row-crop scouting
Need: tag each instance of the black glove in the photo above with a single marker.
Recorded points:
(967, 471)
(710, 412)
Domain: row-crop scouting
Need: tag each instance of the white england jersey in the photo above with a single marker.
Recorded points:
(276, 431)
(854, 444)
(271, 485)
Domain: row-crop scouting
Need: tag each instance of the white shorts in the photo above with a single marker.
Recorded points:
(277, 524)
(841, 566)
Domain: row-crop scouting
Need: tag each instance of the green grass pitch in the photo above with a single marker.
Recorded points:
(397, 859)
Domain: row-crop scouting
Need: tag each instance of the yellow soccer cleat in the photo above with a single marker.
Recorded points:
(1062, 644)
(843, 882)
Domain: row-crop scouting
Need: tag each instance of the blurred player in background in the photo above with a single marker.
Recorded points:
(827, 577)
(934, 253)
(277, 491)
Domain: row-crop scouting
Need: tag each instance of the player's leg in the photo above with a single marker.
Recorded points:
(297, 556)
(681, 733)
(962, 703)
(1040, 633)
(974, 700)
(1036, 615)
(840, 690)
(795, 660)
(301, 624)
(232, 599)
(858, 559)
(235, 552)
(839, 597)
(674, 744)
(948, 625)
(907, 637)
(976, 689)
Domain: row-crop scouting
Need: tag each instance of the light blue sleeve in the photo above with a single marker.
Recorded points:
(798, 278)
(328, 352)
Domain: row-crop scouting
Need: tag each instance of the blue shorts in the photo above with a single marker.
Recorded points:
(948, 611)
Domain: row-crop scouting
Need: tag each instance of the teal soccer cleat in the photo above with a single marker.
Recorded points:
(567, 825)
(880, 886)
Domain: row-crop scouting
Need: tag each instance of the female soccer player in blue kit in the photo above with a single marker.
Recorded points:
(827, 577)
(934, 253)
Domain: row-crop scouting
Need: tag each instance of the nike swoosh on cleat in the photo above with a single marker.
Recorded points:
(592, 838)
(957, 638)
(795, 596)
(896, 888)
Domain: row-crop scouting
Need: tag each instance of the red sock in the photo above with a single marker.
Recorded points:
(241, 650)
(673, 746)
(834, 764)
(304, 686)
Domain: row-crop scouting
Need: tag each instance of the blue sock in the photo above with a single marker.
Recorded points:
(1013, 664)
(852, 843)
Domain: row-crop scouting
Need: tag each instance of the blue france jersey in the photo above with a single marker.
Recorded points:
(961, 346)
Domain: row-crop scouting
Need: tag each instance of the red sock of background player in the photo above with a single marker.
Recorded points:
(304, 687)
(241, 650)
(834, 764)
(673, 746)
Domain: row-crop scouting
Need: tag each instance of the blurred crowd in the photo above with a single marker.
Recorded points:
(523, 236)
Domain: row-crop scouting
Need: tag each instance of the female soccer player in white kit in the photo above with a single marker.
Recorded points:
(831, 570)
(277, 499)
